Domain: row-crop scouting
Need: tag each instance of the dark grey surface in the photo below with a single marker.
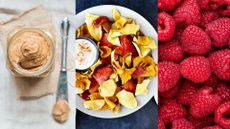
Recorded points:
(145, 118)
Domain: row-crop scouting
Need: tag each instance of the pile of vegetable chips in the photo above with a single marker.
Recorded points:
(125, 66)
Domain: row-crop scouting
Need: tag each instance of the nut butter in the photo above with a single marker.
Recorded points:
(30, 52)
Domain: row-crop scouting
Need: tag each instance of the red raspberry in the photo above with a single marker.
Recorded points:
(188, 13)
(201, 122)
(171, 111)
(213, 127)
(195, 41)
(161, 124)
(220, 63)
(219, 31)
(171, 92)
(182, 124)
(195, 68)
(187, 92)
(204, 103)
(171, 51)
(222, 115)
(225, 8)
(212, 81)
(166, 27)
(209, 4)
(223, 90)
(169, 74)
(168, 5)
(207, 17)
(178, 33)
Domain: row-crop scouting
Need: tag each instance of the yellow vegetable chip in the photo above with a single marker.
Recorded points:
(105, 107)
(82, 83)
(105, 51)
(117, 108)
(108, 88)
(110, 103)
(95, 96)
(94, 104)
(126, 75)
(128, 59)
(127, 99)
(142, 89)
(144, 44)
(95, 32)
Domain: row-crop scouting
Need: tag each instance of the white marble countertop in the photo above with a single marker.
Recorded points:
(33, 114)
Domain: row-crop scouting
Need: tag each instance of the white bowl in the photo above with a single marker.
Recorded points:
(147, 29)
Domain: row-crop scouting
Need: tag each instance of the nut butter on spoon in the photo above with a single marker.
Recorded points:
(61, 108)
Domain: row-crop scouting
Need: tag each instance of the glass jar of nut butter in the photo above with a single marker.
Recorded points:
(30, 52)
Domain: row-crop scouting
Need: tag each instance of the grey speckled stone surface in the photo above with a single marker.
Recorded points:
(145, 118)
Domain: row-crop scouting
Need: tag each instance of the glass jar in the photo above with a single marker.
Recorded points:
(30, 52)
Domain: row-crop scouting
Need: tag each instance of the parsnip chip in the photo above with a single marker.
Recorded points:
(110, 103)
(147, 63)
(127, 99)
(95, 32)
(113, 40)
(129, 29)
(108, 88)
(128, 59)
(116, 14)
(114, 76)
(144, 44)
(126, 75)
(105, 51)
(94, 104)
(142, 89)
(95, 96)
(116, 65)
(82, 83)
(91, 70)
(105, 107)
(117, 108)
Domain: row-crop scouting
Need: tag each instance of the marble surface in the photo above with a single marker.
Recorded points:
(145, 118)
(36, 113)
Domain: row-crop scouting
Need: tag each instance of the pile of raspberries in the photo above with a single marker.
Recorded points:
(194, 64)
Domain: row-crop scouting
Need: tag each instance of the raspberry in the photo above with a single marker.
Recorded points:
(168, 5)
(220, 63)
(166, 27)
(223, 91)
(170, 111)
(195, 41)
(207, 17)
(209, 4)
(169, 74)
(213, 127)
(201, 122)
(204, 103)
(187, 92)
(161, 124)
(222, 115)
(182, 124)
(171, 92)
(225, 8)
(188, 13)
(219, 31)
(212, 81)
(171, 51)
(195, 68)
